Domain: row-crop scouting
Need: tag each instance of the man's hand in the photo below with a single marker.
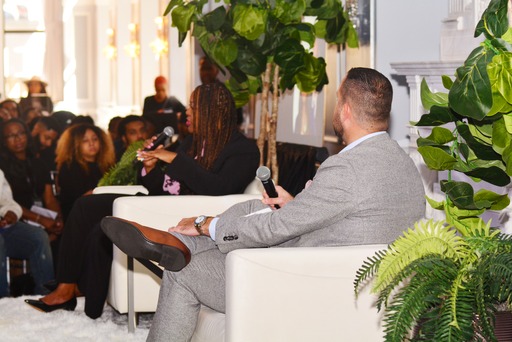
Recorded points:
(186, 227)
(283, 197)
(8, 219)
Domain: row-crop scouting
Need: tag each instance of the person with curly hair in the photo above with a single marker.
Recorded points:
(84, 153)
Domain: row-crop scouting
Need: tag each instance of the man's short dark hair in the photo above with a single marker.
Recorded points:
(370, 94)
(121, 129)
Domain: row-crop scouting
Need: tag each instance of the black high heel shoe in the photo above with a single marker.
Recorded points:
(70, 305)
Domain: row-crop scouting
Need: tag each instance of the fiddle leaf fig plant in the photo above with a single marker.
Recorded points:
(446, 278)
(265, 47)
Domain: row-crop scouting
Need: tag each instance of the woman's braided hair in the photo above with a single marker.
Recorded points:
(214, 121)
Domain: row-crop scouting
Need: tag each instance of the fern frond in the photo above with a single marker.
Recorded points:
(367, 270)
(461, 311)
(498, 276)
(428, 237)
(125, 171)
(407, 306)
(484, 321)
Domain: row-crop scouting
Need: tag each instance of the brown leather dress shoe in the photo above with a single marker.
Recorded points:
(143, 242)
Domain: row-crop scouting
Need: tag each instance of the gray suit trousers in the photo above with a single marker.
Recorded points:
(183, 292)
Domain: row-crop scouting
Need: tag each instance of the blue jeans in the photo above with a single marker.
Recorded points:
(24, 241)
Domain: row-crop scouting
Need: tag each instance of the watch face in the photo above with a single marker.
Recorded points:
(199, 220)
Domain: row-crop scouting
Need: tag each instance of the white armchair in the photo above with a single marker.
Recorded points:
(272, 294)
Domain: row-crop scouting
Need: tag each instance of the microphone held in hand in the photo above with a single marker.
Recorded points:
(263, 174)
(160, 139)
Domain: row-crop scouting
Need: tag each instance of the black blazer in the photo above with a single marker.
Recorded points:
(233, 170)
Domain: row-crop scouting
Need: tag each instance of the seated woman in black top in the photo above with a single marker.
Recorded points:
(28, 177)
(84, 154)
(216, 160)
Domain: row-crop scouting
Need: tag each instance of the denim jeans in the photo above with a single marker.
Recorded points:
(24, 241)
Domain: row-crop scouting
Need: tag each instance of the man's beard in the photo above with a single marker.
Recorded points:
(338, 128)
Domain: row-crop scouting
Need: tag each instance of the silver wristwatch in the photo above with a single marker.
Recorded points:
(198, 223)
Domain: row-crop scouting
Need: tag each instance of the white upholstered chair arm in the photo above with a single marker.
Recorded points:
(120, 189)
(299, 294)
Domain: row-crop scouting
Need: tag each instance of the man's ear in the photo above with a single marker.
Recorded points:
(125, 143)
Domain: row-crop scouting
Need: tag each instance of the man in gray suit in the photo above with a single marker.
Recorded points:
(368, 193)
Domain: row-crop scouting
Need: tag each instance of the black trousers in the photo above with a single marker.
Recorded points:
(85, 255)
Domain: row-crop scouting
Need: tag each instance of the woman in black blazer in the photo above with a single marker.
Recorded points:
(216, 160)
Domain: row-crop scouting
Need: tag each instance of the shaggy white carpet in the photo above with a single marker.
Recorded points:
(20, 322)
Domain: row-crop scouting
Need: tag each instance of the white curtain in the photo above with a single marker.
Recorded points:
(54, 54)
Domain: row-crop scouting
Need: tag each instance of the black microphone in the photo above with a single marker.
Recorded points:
(160, 139)
(263, 174)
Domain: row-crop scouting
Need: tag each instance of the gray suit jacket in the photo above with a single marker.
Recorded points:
(367, 195)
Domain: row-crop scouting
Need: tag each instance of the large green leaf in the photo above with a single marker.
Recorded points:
(507, 159)
(429, 99)
(436, 158)
(224, 51)
(325, 9)
(471, 93)
(441, 135)
(501, 138)
(447, 82)
(251, 61)
(249, 21)
(499, 202)
(312, 74)
(500, 77)
(482, 151)
(481, 132)
(182, 17)
(290, 56)
(306, 33)
(493, 174)
(494, 21)
(437, 116)
(214, 20)
(334, 29)
(461, 194)
(171, 5)
(289, 11)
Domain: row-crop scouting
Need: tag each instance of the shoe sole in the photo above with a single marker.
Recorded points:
(131, 241)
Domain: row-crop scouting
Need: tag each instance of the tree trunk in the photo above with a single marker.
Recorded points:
(272, 148)
(264, 113)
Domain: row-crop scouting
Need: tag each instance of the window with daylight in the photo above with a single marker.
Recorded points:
(24, 44)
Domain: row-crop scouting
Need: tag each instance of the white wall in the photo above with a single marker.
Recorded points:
(407, 31)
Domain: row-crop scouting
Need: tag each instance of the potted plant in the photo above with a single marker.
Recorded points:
(266, 47)
(449, 277)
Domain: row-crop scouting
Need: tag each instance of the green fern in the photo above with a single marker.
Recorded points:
(428, 237)
(125, 171)
(448, 281)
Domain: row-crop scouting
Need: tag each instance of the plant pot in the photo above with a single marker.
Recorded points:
(502, 327)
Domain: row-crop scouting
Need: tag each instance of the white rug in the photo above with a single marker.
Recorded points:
(20, 322)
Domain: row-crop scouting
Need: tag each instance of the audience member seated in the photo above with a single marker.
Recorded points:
(45, 133)
(79, 119)
(4, 114)
(37, 97)
(84, 154)
(29, 116)
(64, 118)
(113, 124)
(350, 201)
(22, 241)
(29, 180)
(130, 129)
(216, 159)
(161, 109)
(12, 106)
